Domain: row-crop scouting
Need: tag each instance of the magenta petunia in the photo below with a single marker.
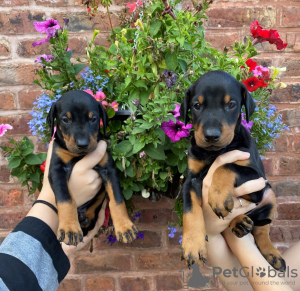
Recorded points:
(246, 124)
(176, 131)
(4, 128)
(176, 112)
(49, 27)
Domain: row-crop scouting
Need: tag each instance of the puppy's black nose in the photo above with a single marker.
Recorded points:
(82, 143)
(212, 135)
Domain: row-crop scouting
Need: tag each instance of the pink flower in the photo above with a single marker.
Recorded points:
(176, 131)
(46, 57)
(246, 124)
(104, 104)
(89, 92)
(176, 112)
(262, 72)
(4, 128)
(49, 27)
(100, 96)
(114, 105)
(134, 5)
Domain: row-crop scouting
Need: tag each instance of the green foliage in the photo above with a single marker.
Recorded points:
(24, 164)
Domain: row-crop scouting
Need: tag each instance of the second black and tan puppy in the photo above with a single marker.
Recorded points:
(77, 118)
(215, 101)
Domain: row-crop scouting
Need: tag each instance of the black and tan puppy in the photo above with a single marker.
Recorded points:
(215, 101)
(77, 117)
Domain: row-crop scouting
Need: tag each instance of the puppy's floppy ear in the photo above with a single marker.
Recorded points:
(103, 116)
(51, 118)
(248, 102)
(185, 106)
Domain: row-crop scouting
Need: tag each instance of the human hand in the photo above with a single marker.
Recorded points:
(214, 225)
(70, 249)
(84, 182)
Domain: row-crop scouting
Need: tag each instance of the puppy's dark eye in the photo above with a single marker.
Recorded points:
(65, 120)
(231, 104)
(93, 119)
(197, 106)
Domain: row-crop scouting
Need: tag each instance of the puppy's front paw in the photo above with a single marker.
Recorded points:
(220, 201)
(126, 232)
(70, 233)
(193, 248)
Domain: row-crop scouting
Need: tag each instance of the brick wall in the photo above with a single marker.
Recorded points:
(152, 263)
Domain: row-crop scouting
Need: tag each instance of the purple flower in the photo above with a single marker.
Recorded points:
(180, 239)
(246, 124)
(111, 239)
(176, 131)
(140, 235)
(176, 112)
(49, 27)
(169, 77)
(46, 57)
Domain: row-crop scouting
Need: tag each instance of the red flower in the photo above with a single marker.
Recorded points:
(106, 71)
(251, 64)
(253, 83)
(106, 219)
(262, 35)
(134, 5)
(43, 166)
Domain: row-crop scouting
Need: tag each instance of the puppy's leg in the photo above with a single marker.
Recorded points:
(193, 246)
(125, 230)
(264, 213)
(220, 192)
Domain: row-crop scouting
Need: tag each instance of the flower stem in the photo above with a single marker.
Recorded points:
(111, 26)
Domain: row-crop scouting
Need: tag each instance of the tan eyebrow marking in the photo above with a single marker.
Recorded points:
(227, 99)
(201, 99)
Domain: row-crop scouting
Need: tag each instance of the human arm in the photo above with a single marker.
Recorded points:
(32, 250)
(219, 254)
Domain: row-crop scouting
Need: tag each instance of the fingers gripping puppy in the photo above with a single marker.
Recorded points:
(215, 101)
(77, 117)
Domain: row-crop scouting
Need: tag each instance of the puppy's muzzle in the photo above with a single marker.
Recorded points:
(82, 143)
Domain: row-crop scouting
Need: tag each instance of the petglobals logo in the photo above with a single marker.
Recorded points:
(246, 272)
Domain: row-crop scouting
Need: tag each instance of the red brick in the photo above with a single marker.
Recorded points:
(27, 97)
(152, 239)
(101, 262)
(26, 49)
(70, 285)
(293, 40)
(22, 74)
(100, 284)
(52, 2)
(169, 282)
(290, 16)
(289, 94)
(284, 233)
(13, 3)
(159, 216)
(291, 117)
(80, 21)
(296, 143)
(289, 166)
(4, 174)
(18, 122)
(220, 40)
(288, 211)
(7, 100)
(12, 198)
(10, 220)
(281, 143)
(286, 188)
(19, 22)
(160, 261)
(268, 165)
(292, 68)
(5, 52)
(135, 284)
(240, 16)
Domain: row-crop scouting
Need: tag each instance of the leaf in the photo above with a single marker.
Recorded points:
(113, 49)
(140, 84)
(180, 40)
(111, 112)
(127, 193)
(127, 81)
(124, 147)
(14, 163)
(154, 27)
(42, 156)
(171, 61)
(35, 176)
(155, 153)
(172, 160)
(138, 145)
(183, 65)
(78, 68)
(163, 175)
(137, 130)
(182, 165)
(33, 159)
